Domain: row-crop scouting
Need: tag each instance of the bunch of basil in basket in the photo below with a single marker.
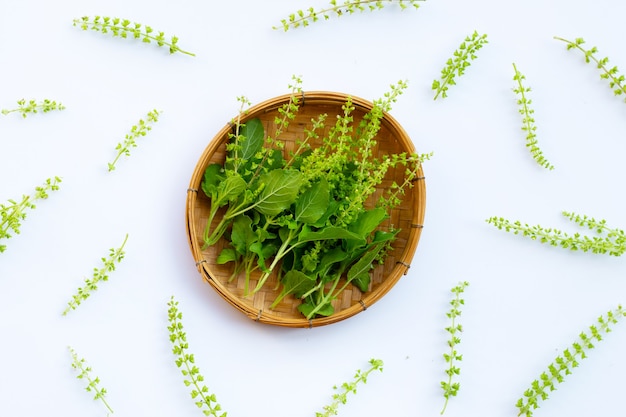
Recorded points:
(303, 213)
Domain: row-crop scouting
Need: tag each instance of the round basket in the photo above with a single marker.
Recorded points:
(409, 216)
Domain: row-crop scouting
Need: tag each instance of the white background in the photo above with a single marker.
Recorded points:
(525, 303)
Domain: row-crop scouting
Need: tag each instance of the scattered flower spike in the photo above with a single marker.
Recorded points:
(528, 121)
(450, 388)
(99, 275)
(13, 212)
(610, 241)
(92, 384)
(350, 387)
(456, 65)
(303, 18)
(616, 81)
(32, 106)
(124, 28)
(186, 363)
(138, 130)
(565, 363)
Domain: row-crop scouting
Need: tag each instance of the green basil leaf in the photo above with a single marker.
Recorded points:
(211, 179)
(330, 211)
(297, 283)
(364, 225)
(330, 259)
(280, 189)
(307, 308)
(362, 281)
(364, 264)
(368, 221)
(263, 252)
(242, 234)
(254, 135)
(381, 236)
(230, 189)
(313, 203)
(227, 255)
(330, 232)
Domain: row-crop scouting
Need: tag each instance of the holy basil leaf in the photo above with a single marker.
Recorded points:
(368, 221)
(280, 189)
(330, 232)
(230, 189)
(254, 136)
(330, 259)
(382, 236)
(330, 211)
(364, 264)
(263, 252)
(263, 234)
(211, 179)
(312, 204)
(227, 255)
(307, 309)
(362, 281)
(364, 225)
(242, 236)
(297, 283)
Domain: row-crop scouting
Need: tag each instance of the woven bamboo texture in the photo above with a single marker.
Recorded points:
(408, 217)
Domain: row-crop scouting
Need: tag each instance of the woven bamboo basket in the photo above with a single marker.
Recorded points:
(408, 217)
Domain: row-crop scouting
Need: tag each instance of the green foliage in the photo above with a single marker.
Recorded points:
(99, 275)
(341, 397)
(279, 192)
(32, 106)
(303, 18)
(456, 65)
(124, 28)
(130, 141)
(302, 214)
(185, 361)
(93, 384)
(450, 389)
(13, 212)
(564, 363)
(611, 74)
(609, 241)
(528, 120)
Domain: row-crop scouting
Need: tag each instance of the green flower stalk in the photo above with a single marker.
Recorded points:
(341, 397)
(13, 212)
(93, 384)
(611, 241)
(528, 120)
(185, 361)
(130, 141)
(459, 62)
(124, 28)
(565, 363)
(303, 18)
(450, 389)
(617, 81)
(99, 275)
(33, 106)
